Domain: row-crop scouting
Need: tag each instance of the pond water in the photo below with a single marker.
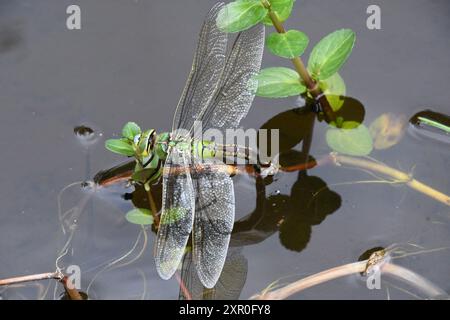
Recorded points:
(129, 62)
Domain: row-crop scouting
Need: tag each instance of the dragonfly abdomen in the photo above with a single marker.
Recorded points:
(204, 149)
(225, 152)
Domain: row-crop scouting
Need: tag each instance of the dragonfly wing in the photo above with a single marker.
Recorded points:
(177, 215)
(229, 285)
(207, 68)
(236, 91)
(213, 222)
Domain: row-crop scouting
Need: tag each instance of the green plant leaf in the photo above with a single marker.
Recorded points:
(240, 15)
(282, 8)
(330, 53)
(287, 45)
(279, 83)
(130, 130)
(334, 88)
(140, 216)
(354, 142)
(120, 146)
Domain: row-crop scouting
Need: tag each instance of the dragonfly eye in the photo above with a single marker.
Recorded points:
(151, 141)
(137, 138)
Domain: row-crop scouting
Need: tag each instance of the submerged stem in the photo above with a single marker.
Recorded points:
(393, 173)
(152, 203)
(334, 158)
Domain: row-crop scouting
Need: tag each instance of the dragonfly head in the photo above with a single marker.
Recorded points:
(145, 142)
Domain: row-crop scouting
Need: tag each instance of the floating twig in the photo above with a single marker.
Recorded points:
(72, 292)
(378, 261)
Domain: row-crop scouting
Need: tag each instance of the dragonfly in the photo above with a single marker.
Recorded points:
(198, 201)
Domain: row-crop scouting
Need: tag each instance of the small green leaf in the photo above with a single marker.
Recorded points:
(282, 8)
(139, 216)
(240, 15)
(130, 130)
(344, 124)
(288, 45)
(120, 146)
(279, 83)
(354, 142)
(330, 53)
(334, 88)
(173, 215)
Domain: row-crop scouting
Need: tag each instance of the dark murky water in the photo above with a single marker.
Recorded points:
(130, 62)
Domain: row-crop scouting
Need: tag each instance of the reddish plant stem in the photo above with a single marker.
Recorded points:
(183, 288)
(337, 160)
(71, 292)
(33, 277)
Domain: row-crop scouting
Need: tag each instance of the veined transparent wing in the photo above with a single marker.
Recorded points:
(177, 213)
(207, 68)
(229, 285)
(236, 91)
(213, 221)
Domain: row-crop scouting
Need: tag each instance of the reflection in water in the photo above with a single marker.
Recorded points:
(229, 285)
(351, 110)
(308, 204)
(295, 126)
(311, 202)
(10, 36)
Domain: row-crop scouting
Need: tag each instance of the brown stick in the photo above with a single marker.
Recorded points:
(72, 292)
(333, 158)
(313, 280)
(33, 277)
(387, 268)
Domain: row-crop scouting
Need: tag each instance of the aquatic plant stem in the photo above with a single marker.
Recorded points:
(311, 85)
(386, 268)
(333, 158)
(58, 276)
(152, 203)
(33, 277)
(393, 173)
(183, 287)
